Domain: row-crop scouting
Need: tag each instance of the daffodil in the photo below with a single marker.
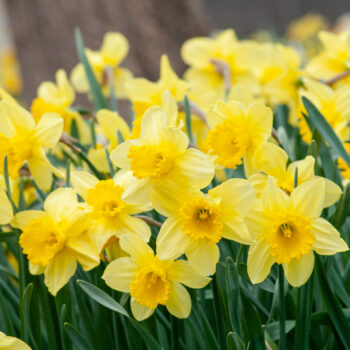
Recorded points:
(333, 59)
(6, 211)
(145, 94)
(152, 281)
(56, 238)
(343, 166)
(271, 160)
(12, 343)
(236, 131)
(24, 141)
(58, 98)
(114, 49)
(333, 104)
(161, 158)
(288, 229)
(197, 222)
(109, 213)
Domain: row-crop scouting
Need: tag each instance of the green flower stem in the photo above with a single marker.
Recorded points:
(282, 307)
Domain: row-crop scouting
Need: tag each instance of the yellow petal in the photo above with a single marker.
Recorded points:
(23, 218)
(136, 247)
(41, 170)
(35, 269)
(134, 226)
(179, 303)
(114, 48)
(6, 212)
(170, 106)
(153, 122)
(333, 193)
(119, 274)
(139, 311)
(203, 258)
(236, 195)
(12, 343)
(181, 271)
(273, 197)
(235, 229)
(59, 271)
(84, 251)
(262, 116)
(49, 130)
(197, 52)
(78, 78)
(308, 198)
(60, 203)
(82, 181)
(328, 241)
(119, 154)
(298, 271)
(171, 241)
(305, 167)
(259, 261)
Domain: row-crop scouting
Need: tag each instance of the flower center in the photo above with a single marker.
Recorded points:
(150, 161)
(290, 237)
(105, 198)
(41, 239)
(229, 142)
(201, 220)
(150, 286)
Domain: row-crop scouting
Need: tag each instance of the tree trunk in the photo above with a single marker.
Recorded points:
(44, 33)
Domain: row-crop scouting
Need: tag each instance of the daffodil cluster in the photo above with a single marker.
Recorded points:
(228, 157)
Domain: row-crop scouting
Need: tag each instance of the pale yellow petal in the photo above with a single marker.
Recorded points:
(82, 181)
(179, 303)
(170, 106)
(12, 343)
(171, 241)
(35, 269)
(139, 311)
(298, 271)
(120, 273)
(308, 198)
(153, 122)
(59, 271)
(119, 154)
(49, 130)
(305, 167)
(259, 261)
(235, 229)
(333, 193)
(273, 197)
(135, 246)
(328, 240)
(6, 211)
(60, 203)
(41, 170)
(181, 271)
(262, 116)
(23, 218)
(114, 48)
(203, 258)
(78, 78)
(134, 226)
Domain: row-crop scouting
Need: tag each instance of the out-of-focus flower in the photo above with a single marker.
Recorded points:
(12, 343)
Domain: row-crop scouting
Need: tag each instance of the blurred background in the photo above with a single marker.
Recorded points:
(39, 34)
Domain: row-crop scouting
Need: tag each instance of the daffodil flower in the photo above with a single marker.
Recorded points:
(109, 213)
(161, 157)
(272, 160)
(197, 222)
(288, 229)
(237, 131)
(56, 238)
(23, 141)
(6, 211)
(151, 281)
(12, 343)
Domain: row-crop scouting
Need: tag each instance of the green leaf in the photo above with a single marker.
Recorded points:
(76, 337)
(327, 132)
(343, 208)
(25, 312)
(146, 336)
(333, 307)
(187, 111)
(234, 342)
(110, 164)
(101, 297)
(98, 98)
(274, 328)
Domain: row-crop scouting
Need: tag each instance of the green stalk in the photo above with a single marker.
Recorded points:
(282, 305)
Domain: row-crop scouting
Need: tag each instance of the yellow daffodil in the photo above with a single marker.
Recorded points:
(145, 94)
(343, 166)
(288, 229)
(12, 343)
(161, 158)
(56, 238)
(23, 141)
(152, 281)
(58, 98)
(237, 131)
(109, 213)
(114, 49)
(197, 222)
(6, 211)
(333, 59)
(333, 104)
(272, 160)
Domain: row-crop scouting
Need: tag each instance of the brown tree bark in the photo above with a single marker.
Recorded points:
(44, 33)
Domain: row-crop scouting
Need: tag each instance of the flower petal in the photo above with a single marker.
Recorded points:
(203, 258)
(23, 218)
(139, 311)
(134, 226)
(328, 240)
(153, 123)
(179, 303)
(49, 129)
(298, 271)
(171, 241)
(59, 271)
(259, 261)
(82, 181)
(6, 211)
(236, 229)
(120, 273)
(41, 171)
(60, 203)
(333, 193)
(273, 197)
(136, 247)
